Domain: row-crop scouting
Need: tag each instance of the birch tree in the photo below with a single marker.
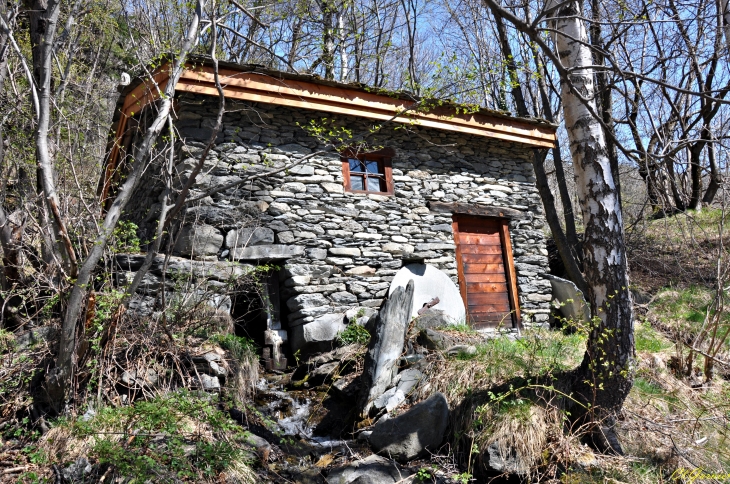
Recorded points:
(603, 380)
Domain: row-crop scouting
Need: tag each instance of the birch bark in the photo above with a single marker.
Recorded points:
(604, 377)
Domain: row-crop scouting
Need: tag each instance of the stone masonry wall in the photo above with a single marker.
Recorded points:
(342, 249)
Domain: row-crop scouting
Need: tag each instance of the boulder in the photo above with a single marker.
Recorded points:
(407, 380)
(141, 306)
(386, 346)
(414, 433)
(568, 300)
(249, 236)
(346, 389)
(212, 270)
(318, 335)
(430, 283)
(370, 470)
(198, 241)
(305, 301)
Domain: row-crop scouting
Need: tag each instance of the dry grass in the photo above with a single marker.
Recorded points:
(676, 251)
(498, 360)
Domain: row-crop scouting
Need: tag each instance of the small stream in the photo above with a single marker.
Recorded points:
(297, 414)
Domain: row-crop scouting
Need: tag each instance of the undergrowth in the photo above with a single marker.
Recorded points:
(176, 436)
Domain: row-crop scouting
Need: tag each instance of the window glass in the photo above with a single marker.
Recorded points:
(373, 184)
(356, 165)
(356, 182)
(372, 166)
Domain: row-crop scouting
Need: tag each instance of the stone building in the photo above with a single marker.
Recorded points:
(429, 189)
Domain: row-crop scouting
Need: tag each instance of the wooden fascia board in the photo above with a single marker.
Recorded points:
(261, 88)
(145, 93)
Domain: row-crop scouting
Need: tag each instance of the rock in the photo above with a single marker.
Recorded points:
(206, 382)
(435, 340)
(35, 336)
(386, 346)
(407, 380)
(318, 335)
(210, 363)
(304, 301)
(135, 379)
(303, 170)
(430, 283)
(432, 319)
(276, 208)
(198, 241)
(360, 271)
(360, 315)
(225, 216)
(323, 373)
(346, 389)
(333, 187)
(412, 434)
(499, 459)
(272, 252)
(461, 349)
(568, 300)
(141, 306)
(371, 470)
(389, 400)
(76, 471)
(318, 254)
(445, 341)
(346, 251)
(249, 236)
(343, 297)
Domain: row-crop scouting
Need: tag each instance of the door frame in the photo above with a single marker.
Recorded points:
(509, 265)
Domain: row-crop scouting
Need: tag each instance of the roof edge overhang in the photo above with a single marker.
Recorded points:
(258, 84)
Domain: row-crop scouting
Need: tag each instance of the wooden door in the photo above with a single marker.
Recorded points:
(486, 271)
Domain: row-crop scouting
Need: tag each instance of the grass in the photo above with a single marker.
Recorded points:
(536, 353)
(648, 339)
(684, 310)
(678, 228)
(479, 417)
(176, 436)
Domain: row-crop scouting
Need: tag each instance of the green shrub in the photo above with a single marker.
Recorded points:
(354, 333)
(242, 349)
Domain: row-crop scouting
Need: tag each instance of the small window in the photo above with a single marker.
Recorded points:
(368, 172)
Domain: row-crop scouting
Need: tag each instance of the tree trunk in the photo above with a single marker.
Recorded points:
(328, 38)
(695, 163)
(538, 161)
(604, 378)
(44, 21)
(59, 378)
(715, 176)
(604, 98)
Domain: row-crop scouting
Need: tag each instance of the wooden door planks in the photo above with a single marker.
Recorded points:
(486, 272)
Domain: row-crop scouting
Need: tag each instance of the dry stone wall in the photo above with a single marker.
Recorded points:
(339, 251)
